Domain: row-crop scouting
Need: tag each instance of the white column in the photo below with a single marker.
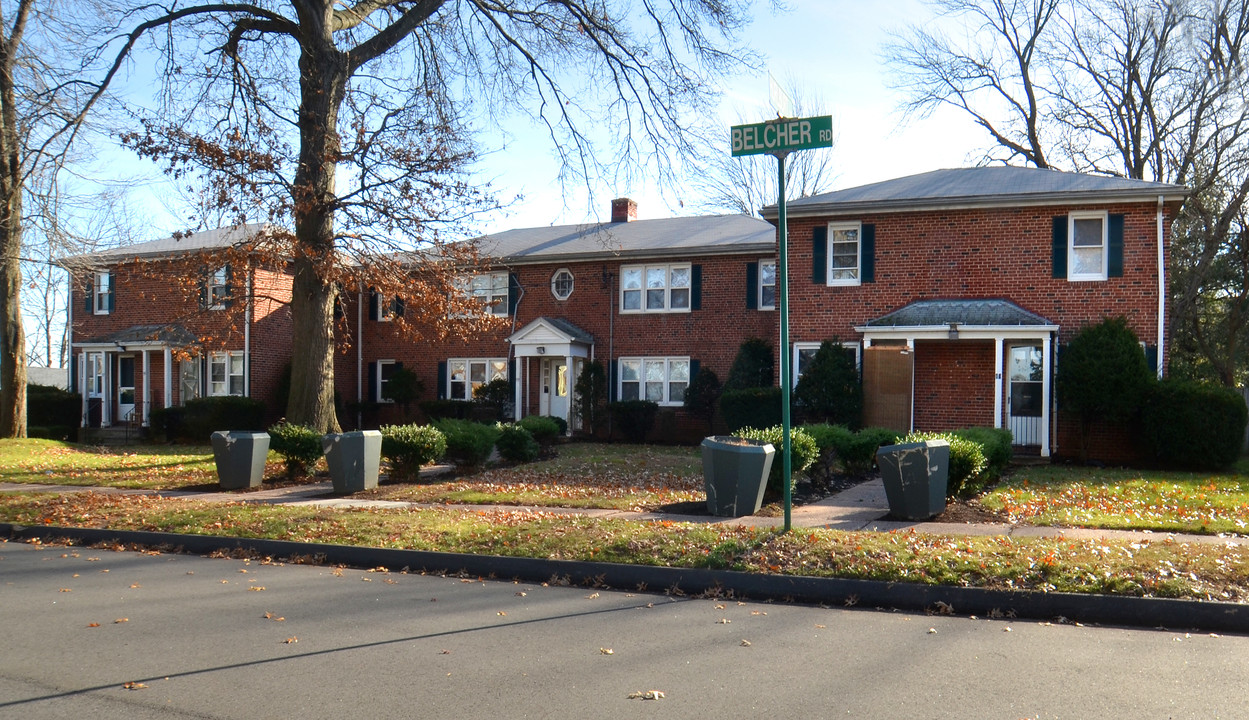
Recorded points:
(168, 377)
(997, 382)
(910, 345)
(82, 387)
(516, 394)
(147, 385)
(1045, 394)
(106, 402)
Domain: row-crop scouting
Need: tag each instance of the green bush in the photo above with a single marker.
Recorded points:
(468, 443)
(517, 444)
(498, 397)
(53, 432)
(634, 418)
(1194, 425)
(542, 429)
(590, 396)
(997, 444)
(751, 407)
(1103, 376)
(199, 418)
(52, 411)
(803, 452)
(300, 445)
(829, 388)
(967, 460)
(753, 366)
(453, 409)
(403, 387)
(408, 447)
(702, 396)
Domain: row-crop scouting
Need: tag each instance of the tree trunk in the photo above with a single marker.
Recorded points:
(12, 336)
(323, 81)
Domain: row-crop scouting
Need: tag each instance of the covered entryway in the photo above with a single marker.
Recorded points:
(550, 352)
(114, 373)
(972, 362)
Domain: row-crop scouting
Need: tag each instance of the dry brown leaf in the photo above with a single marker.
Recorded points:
(134, 585)
(591, 596)
(256, 588)
(291, 640)
(723, 621)
(757, 612)
(522, 593)
(65, 590)
(745, 643)
(502, 614)
(719, 606)
(134, 686)
(821, 626)
(119, 621)
(607, 651)
(93, 624)
(648, 695)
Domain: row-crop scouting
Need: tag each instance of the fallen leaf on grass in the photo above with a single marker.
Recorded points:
(134, 685)
(648, 695)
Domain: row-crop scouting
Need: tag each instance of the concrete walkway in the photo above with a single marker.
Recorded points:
(862, 507)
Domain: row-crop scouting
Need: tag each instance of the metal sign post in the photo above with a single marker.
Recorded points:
(779, 138)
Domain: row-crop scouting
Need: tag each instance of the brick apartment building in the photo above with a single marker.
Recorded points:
(954, 287)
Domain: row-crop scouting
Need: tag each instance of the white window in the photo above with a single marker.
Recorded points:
(1086, 246)
(103, 290)
(655, 288)
(218, 289)
(767, 285)
(225, 373)
(660, 380)
(464, 376)
(561, 284)
(95, 375)
(188, 379)
(385, 368)
(804, 353)
(489, 289)
(387, 307)
(844, 253)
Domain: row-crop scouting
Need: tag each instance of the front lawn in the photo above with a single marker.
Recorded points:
(583, 475)
(150, 467)
(1123, 499)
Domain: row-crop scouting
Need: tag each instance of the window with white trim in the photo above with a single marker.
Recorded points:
(218, 288)
(189, 386)
(804, 353)
(95, 374)
(661, 380)
(225, 373)
(655, 288)
(489, 289)
(845, 253)
(103, 289)
(385, 368)
(767, 284)
(465, 375)
(1086, 245)
(562, 284)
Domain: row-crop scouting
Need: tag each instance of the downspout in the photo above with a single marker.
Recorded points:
(517, 407)
(1162, 293)
(359, 359)
(247, 334)
(611, 339)
(69, 329)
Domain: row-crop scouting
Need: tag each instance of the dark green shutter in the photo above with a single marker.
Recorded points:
(612, 394)
(203, 292)
(513, 293)
(752, 286)
(90, 293)
(372, 382)
(1114, 250)
(442, 380)
(696, 287)
(1151, 358)
(1058, 240)
(112, 288)
(373, 302)
(396, 306)
(694, 366)
(819, 255)
(867, 253)
(73, 373)
(229, 288)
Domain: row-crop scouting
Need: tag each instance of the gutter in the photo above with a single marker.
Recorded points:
(1162, 292)
(960, 203)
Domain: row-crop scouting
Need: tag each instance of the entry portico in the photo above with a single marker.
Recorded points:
(557, 350)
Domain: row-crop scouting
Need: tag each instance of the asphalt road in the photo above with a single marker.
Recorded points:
(229, 638)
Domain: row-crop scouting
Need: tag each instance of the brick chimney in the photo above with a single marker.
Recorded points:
(623, 210)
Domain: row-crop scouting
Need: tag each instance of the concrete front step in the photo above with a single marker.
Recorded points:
(116, 435)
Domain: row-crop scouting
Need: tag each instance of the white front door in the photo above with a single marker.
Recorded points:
(555, 387)
(1026, 396)
(125, 388)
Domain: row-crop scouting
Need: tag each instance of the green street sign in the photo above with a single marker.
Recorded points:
(783, 135)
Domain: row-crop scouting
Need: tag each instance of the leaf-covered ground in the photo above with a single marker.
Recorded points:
(1162, 568)
(154, 467)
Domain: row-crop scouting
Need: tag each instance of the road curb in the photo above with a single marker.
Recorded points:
(1073, 607)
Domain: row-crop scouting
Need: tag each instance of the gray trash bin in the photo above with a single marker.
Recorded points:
(916, 476)
(240, 458)
(735, 474)
(354, 459)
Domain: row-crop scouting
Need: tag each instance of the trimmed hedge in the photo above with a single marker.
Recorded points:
(855, 450)
(408, 447)
(544, 430)
(803, 452)
(997, 444)
(634, 418)
(52, 413)
(751, 407)
(300, 445)
(967, 460)
(517, 444)
(468, 443)
(199, 418)
(1194, 425)
(454, 409)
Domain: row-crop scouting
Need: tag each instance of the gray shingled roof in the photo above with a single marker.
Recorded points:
(173, 335)
(569, 329)
(710, 234)
(979, 187)
(222, 237)
(965, 313)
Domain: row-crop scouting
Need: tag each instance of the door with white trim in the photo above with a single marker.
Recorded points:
(125, 387)
(1026, 398)
(555, 387)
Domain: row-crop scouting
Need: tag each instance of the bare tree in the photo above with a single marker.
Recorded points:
(350, 124)
(746, 184)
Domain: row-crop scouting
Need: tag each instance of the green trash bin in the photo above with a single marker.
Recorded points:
(735, 474)
(916, 476)
(240, 458)
(354, 459)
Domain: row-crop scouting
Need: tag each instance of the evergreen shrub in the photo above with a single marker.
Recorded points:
(408, 447)
(751, 407)
(1194, 425)
(517, 444)
(634, 418)
(468, 443)
(803, 452)
(299, 445)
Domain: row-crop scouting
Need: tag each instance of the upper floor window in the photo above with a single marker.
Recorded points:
(1087, 246)
(657, 379)
(490, 289)
(383, 308)
(844, 253)
(464, 376)
(561, 284)
(102, 293)
(655, 288)
(218, 288)
(225, 373)
(767, 285)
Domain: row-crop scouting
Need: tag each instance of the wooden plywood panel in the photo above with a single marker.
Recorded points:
(887, 373)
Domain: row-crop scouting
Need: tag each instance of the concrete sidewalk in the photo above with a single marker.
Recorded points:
(862, 507)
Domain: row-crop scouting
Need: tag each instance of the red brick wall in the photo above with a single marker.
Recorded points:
(953, 384)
